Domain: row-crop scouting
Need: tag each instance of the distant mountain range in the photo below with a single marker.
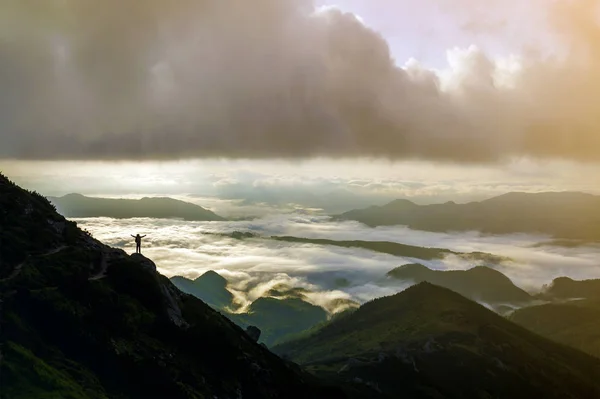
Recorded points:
(398, 249)
(386, 247)
(566, 215)
(430, 342)
(79, 206)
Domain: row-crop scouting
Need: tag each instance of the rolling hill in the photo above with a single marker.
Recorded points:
(83, 320)
(210, 287)
(567, 288)
(280, 318)
(574, 323)
(565, 215)
(430, 342)
(481, 284)
(79, 206)
(283, 311)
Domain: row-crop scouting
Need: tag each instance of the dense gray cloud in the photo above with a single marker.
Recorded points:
(274, 79)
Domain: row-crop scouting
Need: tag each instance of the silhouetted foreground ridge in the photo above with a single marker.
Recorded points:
(83, 320)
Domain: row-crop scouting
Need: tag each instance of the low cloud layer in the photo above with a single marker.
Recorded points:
(254, 266)
(280, 79)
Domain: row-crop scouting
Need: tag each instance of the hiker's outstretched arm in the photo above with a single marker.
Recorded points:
(132, 235)
(143, 236)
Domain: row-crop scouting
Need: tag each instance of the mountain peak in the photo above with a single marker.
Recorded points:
(480, 283)
(211, 277)
(397, 345)
(400, 204)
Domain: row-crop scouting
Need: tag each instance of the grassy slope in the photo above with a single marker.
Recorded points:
(431, 342)
(278, 319)
(575, 323)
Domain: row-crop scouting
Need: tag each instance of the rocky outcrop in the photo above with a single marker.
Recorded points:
(146, 263)
(253, 332)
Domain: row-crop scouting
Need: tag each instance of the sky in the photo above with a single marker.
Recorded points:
(292, 79)
(115, 97)
(426, 31)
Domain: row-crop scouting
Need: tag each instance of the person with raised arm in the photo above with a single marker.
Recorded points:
(138, 243)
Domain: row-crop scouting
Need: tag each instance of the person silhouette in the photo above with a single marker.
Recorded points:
(138, 243)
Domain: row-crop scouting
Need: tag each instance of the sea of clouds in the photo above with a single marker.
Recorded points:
(254, 266)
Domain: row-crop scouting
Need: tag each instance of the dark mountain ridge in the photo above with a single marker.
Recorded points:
(572, 317)
(575, 323)
(210, 287)
(567, 215)
(567, 288)
(430, 342)
(397, 249)
(79, 206)
(82, 320)
(480, 283)
(283, 312)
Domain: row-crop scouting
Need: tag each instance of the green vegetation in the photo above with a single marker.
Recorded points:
(573, 317)
(128, 334)
(574, 323)
(79, 206)
(567, 288)
(431, 342)
(480, 283)
(283, 311)
(278, 319)
(32, 377)
(566, 215)
(210, 287)
(29, 226)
